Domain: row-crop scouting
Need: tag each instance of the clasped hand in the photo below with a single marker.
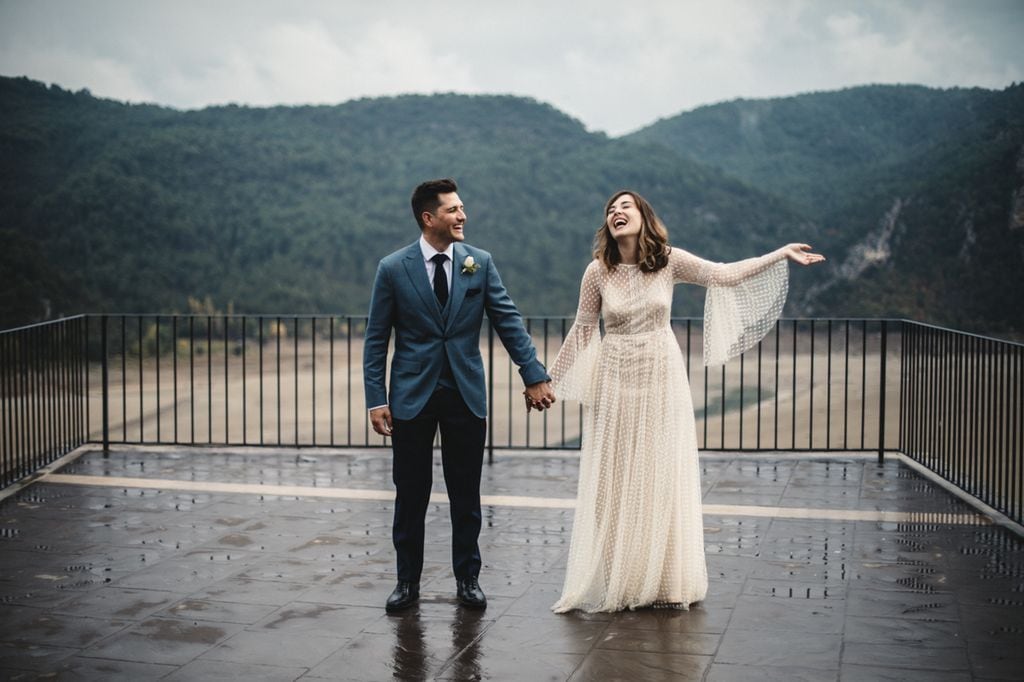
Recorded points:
(539, 396)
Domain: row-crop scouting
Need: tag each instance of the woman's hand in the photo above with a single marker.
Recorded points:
(800, 253)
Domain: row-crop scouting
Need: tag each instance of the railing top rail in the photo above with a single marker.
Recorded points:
(221, 316)
(781, 319)
(982, 337)
(48, 323)
(569, 316)
(541, 318)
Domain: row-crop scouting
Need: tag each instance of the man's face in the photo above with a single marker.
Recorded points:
(445, 225)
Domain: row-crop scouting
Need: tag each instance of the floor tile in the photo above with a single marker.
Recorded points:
(279, 649)
(604, 665)
(204, 669)
(907, 656)
(780, 648)
(549, 633)
(791, 615)
(163, 640)
(731, 672)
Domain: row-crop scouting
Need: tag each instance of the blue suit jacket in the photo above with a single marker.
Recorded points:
(404, 301)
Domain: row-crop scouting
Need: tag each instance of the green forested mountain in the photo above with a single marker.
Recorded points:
(126, 208)
(919, 193)
(813, 148)
(113, 207)
(947, 233)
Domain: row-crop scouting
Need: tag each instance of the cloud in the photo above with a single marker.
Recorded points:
(75, 70)
(930, 49)
(614, 67)
(305, 63)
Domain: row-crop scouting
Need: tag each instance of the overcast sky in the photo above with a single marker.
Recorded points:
(616, 66)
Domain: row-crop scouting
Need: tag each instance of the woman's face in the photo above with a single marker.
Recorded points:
(624, 219)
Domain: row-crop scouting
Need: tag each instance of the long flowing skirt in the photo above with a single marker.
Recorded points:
(638, 533)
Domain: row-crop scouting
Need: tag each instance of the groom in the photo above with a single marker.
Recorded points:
(433, 295)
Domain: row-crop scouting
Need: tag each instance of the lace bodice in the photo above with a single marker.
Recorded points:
(744, 300)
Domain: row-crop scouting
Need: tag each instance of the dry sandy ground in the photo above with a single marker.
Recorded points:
(219, 400)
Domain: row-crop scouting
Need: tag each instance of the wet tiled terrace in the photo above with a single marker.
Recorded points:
(204, 564)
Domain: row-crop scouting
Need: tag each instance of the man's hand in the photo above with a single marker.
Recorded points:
(380, 417)
(539, 396)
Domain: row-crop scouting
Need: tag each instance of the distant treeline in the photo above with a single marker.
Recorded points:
(112, 207)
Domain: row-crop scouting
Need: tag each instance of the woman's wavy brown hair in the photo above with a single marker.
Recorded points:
(653, 238)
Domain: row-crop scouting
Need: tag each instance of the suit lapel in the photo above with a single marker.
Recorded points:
(459, 283)
(417, 272)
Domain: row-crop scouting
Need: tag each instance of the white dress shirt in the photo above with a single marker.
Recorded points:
(429, 252)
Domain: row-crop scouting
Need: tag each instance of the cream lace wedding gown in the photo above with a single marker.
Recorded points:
(638, 533)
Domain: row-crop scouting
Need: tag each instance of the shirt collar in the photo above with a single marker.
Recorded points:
(429, 251)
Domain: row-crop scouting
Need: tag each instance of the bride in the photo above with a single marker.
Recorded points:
(638, 534)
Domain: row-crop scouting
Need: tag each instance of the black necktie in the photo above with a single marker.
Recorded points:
(440, 279)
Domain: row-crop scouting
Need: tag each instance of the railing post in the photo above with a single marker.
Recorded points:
(106, 383)
(490, 392)
(881, 394)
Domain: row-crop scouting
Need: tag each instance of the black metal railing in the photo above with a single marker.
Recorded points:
(962, 412)
(297, 381)
(949, 400)
(43, 407)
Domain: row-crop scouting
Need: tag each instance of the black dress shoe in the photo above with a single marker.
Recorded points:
(403, 596)
(470, 594)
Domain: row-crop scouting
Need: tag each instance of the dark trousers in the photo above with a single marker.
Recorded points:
(462, 453)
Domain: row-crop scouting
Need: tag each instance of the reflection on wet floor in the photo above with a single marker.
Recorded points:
(821, 568)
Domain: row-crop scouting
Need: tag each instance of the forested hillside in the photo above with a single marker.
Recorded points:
(817, 149)
(919, 192)
(916, 195)
(112, 207)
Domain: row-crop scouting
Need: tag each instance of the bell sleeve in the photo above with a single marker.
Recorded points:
(573, 371)
(744, 299)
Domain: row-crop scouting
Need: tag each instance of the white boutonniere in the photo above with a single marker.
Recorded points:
(469, 266)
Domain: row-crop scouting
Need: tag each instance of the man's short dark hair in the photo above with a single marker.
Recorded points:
(425, 196)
